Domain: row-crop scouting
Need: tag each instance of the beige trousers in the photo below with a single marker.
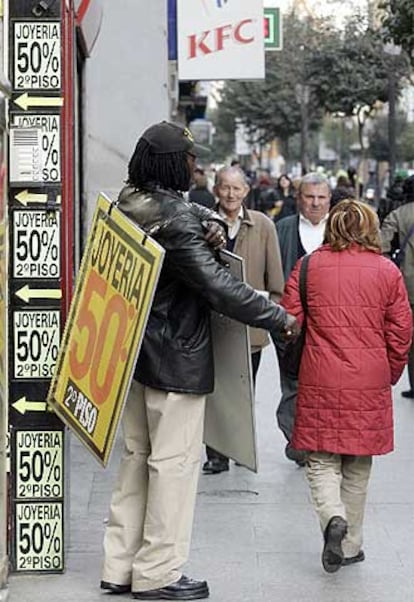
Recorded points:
(148, 534)
(338, 485)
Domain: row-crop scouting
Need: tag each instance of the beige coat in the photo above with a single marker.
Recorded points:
(258, 244)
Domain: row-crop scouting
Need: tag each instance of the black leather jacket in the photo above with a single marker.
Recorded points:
(176, 353)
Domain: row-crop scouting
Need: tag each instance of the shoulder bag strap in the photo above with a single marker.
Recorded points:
(406, 238)
(303, 275)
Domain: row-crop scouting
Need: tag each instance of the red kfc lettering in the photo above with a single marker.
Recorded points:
(198, 43)
(221, 36)
(238, 33)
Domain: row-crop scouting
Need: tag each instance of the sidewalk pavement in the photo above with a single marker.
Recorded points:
(255, 537)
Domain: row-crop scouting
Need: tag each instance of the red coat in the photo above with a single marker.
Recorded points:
(359, 328)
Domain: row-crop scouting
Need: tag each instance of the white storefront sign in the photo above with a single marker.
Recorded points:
(36, 244)
(39, 461)
(220, 39)
(39, 531)
(36, 342)
(37, 55)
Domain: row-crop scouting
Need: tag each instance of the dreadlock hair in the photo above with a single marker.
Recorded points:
(170, 170)
(351, 222)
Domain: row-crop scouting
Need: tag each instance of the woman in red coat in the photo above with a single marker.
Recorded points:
(358, 335)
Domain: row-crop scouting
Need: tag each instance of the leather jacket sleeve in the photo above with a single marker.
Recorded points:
(191, 261)
(209, 215)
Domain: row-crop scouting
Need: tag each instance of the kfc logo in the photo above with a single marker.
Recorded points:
(214, 40)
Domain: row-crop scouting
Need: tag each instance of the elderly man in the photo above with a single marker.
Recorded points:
(298, 235)
(251, 235)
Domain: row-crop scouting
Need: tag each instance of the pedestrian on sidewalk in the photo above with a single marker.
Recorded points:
(400, 224)
(148, 534)
(358, 333)
(252, 236)
(298, 235)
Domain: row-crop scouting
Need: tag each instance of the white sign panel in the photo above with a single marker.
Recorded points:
(36, 336)
(36, 249)
(39, 464)
(220, 39)
(35, 148)
(39, 533)
(37, 55)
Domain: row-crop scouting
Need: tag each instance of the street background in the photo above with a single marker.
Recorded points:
(255, 536)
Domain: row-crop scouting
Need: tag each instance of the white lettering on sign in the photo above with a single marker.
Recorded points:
(36, 244)
(36, 336)
(82, 409)
(37, 55)
(39, 470)
(39, 536)
(35, 148)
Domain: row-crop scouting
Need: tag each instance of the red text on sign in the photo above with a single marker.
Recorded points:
(214, 40)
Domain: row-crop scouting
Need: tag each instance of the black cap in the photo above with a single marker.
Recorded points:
(167, 137)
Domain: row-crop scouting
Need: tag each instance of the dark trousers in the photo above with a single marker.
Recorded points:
(286, 410)
(212, 454)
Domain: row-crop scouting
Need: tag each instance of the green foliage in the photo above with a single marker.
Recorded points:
(339, 135)
(345, 73)
(349, 72)
(398, 22)
(352, 71)
(406, 144)
(379, 140)
(271, 108)
(223, 139)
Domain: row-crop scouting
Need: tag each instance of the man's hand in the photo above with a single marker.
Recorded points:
(215, 235)
(291, 330)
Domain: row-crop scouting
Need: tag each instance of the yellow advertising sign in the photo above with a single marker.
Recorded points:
(103, 333)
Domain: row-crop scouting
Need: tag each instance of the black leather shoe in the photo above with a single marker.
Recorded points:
(214, 466)
(333, 555)
(360, 557)
(409, 394)
(115, 588)
(183, 589)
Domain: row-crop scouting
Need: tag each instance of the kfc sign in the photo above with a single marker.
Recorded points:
(220, 39)
(213, 41)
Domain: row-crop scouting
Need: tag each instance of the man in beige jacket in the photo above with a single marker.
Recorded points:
(252, 236)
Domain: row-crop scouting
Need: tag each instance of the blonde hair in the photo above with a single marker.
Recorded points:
(352, 222)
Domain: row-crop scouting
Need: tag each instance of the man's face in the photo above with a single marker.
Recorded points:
(231, 190)
(314, 202)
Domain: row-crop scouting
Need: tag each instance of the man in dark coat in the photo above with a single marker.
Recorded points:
(298, 235)
(149, 527)
(400, 222)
